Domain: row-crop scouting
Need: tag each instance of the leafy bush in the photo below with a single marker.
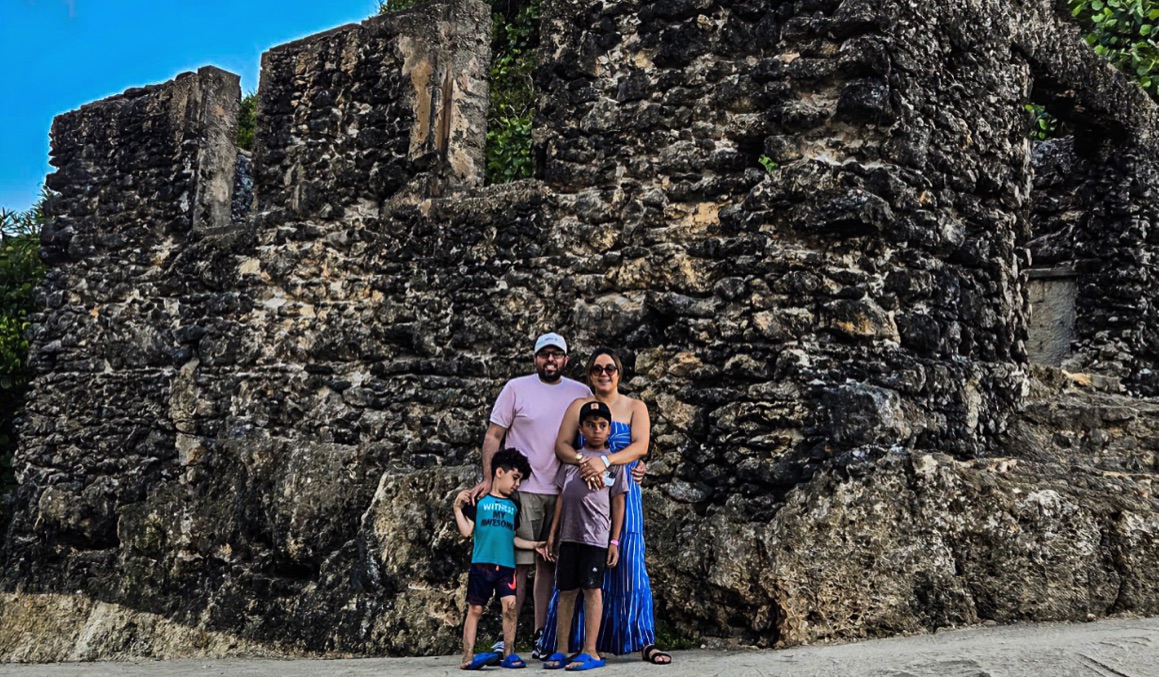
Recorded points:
(1124, 32)
(247, 121)
(509, 148)
(21, 270)
(1043, 125)
(514, 41)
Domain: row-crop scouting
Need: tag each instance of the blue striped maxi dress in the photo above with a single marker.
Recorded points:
(628, 624)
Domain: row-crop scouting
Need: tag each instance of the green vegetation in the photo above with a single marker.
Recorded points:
(514, 40)
(1124, 32)
(1121, 31)
(768, 163)
(20, 271)
(388, 6)
(247, 121)
(1043, 125)
(669, 639)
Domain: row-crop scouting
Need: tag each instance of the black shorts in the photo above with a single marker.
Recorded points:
(485, 579)
(580, 565)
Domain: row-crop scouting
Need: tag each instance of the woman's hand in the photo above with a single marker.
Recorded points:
(639, 471)
(592, 472)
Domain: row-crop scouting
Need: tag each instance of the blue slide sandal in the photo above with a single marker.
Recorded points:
(585, 662)
(482, 659)
(513, 661)
(558, 658)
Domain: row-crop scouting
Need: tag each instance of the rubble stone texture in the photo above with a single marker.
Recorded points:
(807, 224)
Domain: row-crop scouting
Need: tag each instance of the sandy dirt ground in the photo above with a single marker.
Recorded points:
(1113, 648)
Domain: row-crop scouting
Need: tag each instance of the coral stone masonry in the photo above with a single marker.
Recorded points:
(900, 361)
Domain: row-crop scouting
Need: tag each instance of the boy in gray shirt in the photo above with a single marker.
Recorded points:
(586, 526)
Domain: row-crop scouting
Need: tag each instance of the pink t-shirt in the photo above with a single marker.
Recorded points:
(531, 411)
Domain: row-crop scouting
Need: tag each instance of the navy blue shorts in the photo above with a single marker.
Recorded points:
(483, 580)
(579, 565)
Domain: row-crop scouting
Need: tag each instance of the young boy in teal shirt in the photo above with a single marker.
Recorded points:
(493, 521)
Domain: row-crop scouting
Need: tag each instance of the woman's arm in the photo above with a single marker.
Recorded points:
(565, 439)
(641, 425)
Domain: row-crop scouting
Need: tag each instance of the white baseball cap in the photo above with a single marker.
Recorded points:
(550, 339)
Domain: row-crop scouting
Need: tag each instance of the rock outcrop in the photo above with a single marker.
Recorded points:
(807, 224)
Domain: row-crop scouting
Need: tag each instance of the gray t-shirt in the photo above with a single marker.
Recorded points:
(586, 515)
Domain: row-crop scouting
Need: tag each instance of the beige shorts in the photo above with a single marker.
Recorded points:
(535, 514)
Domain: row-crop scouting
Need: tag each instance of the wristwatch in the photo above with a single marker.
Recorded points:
(607, 463)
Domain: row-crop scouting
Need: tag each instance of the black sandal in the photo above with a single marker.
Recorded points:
(655, 656)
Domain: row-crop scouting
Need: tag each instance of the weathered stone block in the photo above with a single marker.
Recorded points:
(362, 112)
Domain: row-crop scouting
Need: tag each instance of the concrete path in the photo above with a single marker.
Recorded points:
(1114, 648)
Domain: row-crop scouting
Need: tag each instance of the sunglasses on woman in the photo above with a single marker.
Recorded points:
(598, 369)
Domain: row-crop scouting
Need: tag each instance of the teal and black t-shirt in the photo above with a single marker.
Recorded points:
(496, 520)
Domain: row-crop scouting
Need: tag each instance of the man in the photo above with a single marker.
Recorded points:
(528, 412)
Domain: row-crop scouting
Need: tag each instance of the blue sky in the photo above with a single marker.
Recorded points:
(56, 55)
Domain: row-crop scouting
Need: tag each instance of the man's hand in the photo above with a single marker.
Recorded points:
(638, 472)
(613, 555)
(479, 490)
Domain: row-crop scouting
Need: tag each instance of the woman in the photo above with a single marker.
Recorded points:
(627, 624)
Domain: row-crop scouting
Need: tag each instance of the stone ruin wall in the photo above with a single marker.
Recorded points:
(1093, 211)
(247, 427)
(1096, 243)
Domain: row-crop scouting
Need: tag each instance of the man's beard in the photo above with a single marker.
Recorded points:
(543, 376)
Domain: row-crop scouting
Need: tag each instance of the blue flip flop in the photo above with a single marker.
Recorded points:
(584, 662)
(482, 659)
(513, 661)
(558, 658)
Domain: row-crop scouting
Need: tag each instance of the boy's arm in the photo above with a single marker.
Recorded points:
(554, 528)
(618, 503)
(465, 524)
(522, 543)
(617, 527)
